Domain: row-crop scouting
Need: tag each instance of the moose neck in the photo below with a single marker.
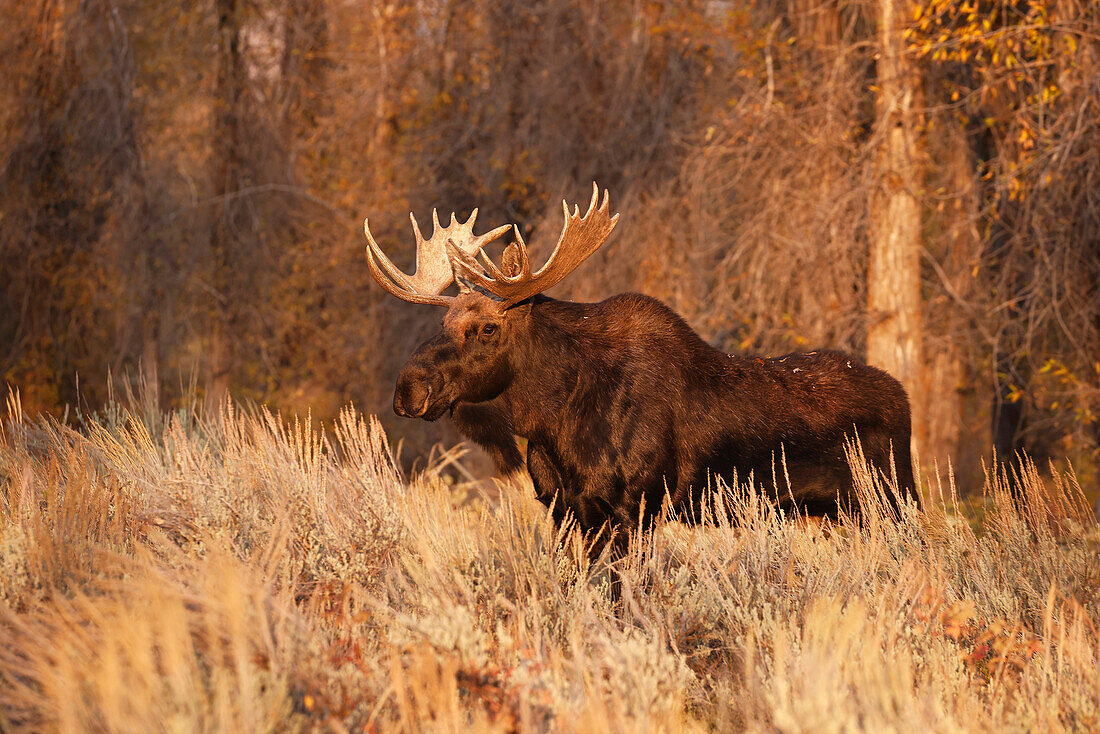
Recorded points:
(558, 349)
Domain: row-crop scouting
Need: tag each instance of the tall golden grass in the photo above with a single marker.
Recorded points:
(170, 572)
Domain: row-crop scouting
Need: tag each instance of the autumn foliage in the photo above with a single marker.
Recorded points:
(182, 189)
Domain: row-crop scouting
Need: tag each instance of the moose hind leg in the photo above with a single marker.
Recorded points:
(881, 450)
(819, 489)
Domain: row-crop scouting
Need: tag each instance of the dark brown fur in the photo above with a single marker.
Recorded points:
(620, 400)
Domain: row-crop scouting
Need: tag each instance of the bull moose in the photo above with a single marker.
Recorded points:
(620, 401)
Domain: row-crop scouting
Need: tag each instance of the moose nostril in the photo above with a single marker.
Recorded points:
(424, 405)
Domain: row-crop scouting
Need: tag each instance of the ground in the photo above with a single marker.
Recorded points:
(164, 571)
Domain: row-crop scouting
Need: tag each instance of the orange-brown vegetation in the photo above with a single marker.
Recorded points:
(182, 189)
(232, 572)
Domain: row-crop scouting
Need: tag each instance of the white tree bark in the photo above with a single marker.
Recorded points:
(893, 278)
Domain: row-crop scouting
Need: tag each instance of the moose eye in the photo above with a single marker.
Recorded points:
(489, 329)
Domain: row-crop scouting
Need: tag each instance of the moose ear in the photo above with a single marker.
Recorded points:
(511, 263)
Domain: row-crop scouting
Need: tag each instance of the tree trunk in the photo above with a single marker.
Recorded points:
(226, 167)
(949, 384)
(305, 65)
(893, 278)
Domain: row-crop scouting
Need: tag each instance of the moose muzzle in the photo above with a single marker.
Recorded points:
(417, 392)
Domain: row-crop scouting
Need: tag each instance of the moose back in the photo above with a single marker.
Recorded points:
(620, 401)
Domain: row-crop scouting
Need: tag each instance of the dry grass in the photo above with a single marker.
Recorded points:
(159, 572)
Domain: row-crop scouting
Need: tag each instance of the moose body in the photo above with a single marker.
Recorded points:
(621, 402)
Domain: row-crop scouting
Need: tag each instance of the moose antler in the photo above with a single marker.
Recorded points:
(433, 272)
(580, 237)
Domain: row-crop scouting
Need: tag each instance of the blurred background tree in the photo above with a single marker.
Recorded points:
(182, 189)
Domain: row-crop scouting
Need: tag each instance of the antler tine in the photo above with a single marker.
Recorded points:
(484, 239)
(468, 265)
(496, 273)
(433, 271)
(392, 271)
(390, 277)
(580, 237)
(524, 257)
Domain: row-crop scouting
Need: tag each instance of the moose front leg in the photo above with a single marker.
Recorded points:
(590, 512)
(549, 488)
(490, 427)
(600, 530)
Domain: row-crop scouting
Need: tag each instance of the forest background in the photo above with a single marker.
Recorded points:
(182, 189)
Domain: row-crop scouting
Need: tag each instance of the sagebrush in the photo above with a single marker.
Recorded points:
(238, 572)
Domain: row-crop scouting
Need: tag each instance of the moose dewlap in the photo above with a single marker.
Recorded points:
(620, 401)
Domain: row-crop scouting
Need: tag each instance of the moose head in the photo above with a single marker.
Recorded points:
(473, 357)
